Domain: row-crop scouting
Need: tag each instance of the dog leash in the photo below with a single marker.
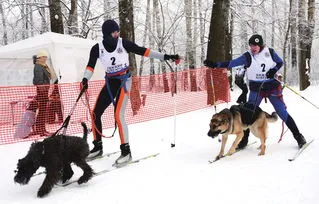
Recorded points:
(93, 117)
(67, 120)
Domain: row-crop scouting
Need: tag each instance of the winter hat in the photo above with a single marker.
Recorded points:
(256, 40)
(109, 26)
(42, 53)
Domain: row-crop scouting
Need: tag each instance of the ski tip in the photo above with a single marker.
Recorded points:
(172, 145)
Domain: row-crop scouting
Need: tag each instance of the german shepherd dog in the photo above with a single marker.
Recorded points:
(237, 119)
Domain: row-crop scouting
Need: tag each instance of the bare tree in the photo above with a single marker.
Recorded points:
(127, 32)
(293, 31)
(273, 11)
(24, 18)
(56, 20)
(147, 20)
(151, 25)
(43, 15)
(31, 20)
(4, 25)
(72, 21)
(310, 32)
(217, 46)
(107, 12)
(302, 31)
(201, 31)
(190, 54)
(216, 50)
(189, 59)
(285, 58)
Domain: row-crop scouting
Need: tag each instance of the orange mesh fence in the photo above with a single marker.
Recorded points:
(30, 112)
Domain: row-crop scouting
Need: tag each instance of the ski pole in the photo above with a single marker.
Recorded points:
(175, 91)
(291, 89)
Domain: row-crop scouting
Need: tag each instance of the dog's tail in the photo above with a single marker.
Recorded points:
(271, 118)
(85, 131)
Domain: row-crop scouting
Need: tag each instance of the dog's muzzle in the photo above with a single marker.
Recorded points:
(21, 180)
(213, 134)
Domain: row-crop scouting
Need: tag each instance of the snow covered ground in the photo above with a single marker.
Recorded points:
(182, 174)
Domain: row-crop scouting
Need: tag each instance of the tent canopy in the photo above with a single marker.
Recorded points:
(68, 57)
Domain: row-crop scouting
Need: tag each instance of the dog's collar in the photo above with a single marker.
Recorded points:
(231, 124)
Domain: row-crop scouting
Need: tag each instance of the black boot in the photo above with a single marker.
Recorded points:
(295, 131)
(97, 149)
(300, 139)
(125, 157)
(244, 141)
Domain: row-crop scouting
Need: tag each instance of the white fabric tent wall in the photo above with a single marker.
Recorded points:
(68, 58)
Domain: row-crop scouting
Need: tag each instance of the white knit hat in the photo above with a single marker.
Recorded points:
(42, 53)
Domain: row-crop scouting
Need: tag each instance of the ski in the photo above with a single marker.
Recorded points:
(237, 150)
(102, 156)
(88, 160)
(114, 167)
(300, 150)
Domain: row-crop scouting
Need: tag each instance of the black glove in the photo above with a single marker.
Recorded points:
(171, 57)
(271, 73)
(209, 63)
(84, 84)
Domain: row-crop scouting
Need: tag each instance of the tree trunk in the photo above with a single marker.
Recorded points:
(73, 19)
(273, 13)
(159, 32)
(31, 20)
(152, 81)
(254, 21)
(147, 20)
(56, 21)
(216, 50)
(127, 32)
(42, 12)
(303, 31)
(24, 20)
(285, 58)
(293, 38)
(107, 12)
(228, 41)
(201, 32)
(190, 53)
(4, 25)
(311, 27)
(217, 47)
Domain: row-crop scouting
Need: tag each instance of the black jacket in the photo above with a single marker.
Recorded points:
(41, 75)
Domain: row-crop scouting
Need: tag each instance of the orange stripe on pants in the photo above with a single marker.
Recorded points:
(118, 114)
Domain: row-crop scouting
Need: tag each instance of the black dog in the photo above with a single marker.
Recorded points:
(56, 154)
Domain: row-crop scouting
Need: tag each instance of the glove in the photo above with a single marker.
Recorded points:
(175, 58)
(271, 73)
(209, 63)
(84, 84)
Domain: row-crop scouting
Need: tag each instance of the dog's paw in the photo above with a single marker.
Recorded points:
(83, 179)
(230, 152)
(261, 153)
(218, 157)
(42, 192)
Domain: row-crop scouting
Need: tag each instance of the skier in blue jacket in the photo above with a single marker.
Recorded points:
(262, 64)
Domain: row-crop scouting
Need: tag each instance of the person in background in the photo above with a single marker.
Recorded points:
(262, 65)
(41, 79)
(240, 82)
(113, 54)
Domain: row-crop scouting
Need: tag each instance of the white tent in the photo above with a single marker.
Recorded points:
(68, 57)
